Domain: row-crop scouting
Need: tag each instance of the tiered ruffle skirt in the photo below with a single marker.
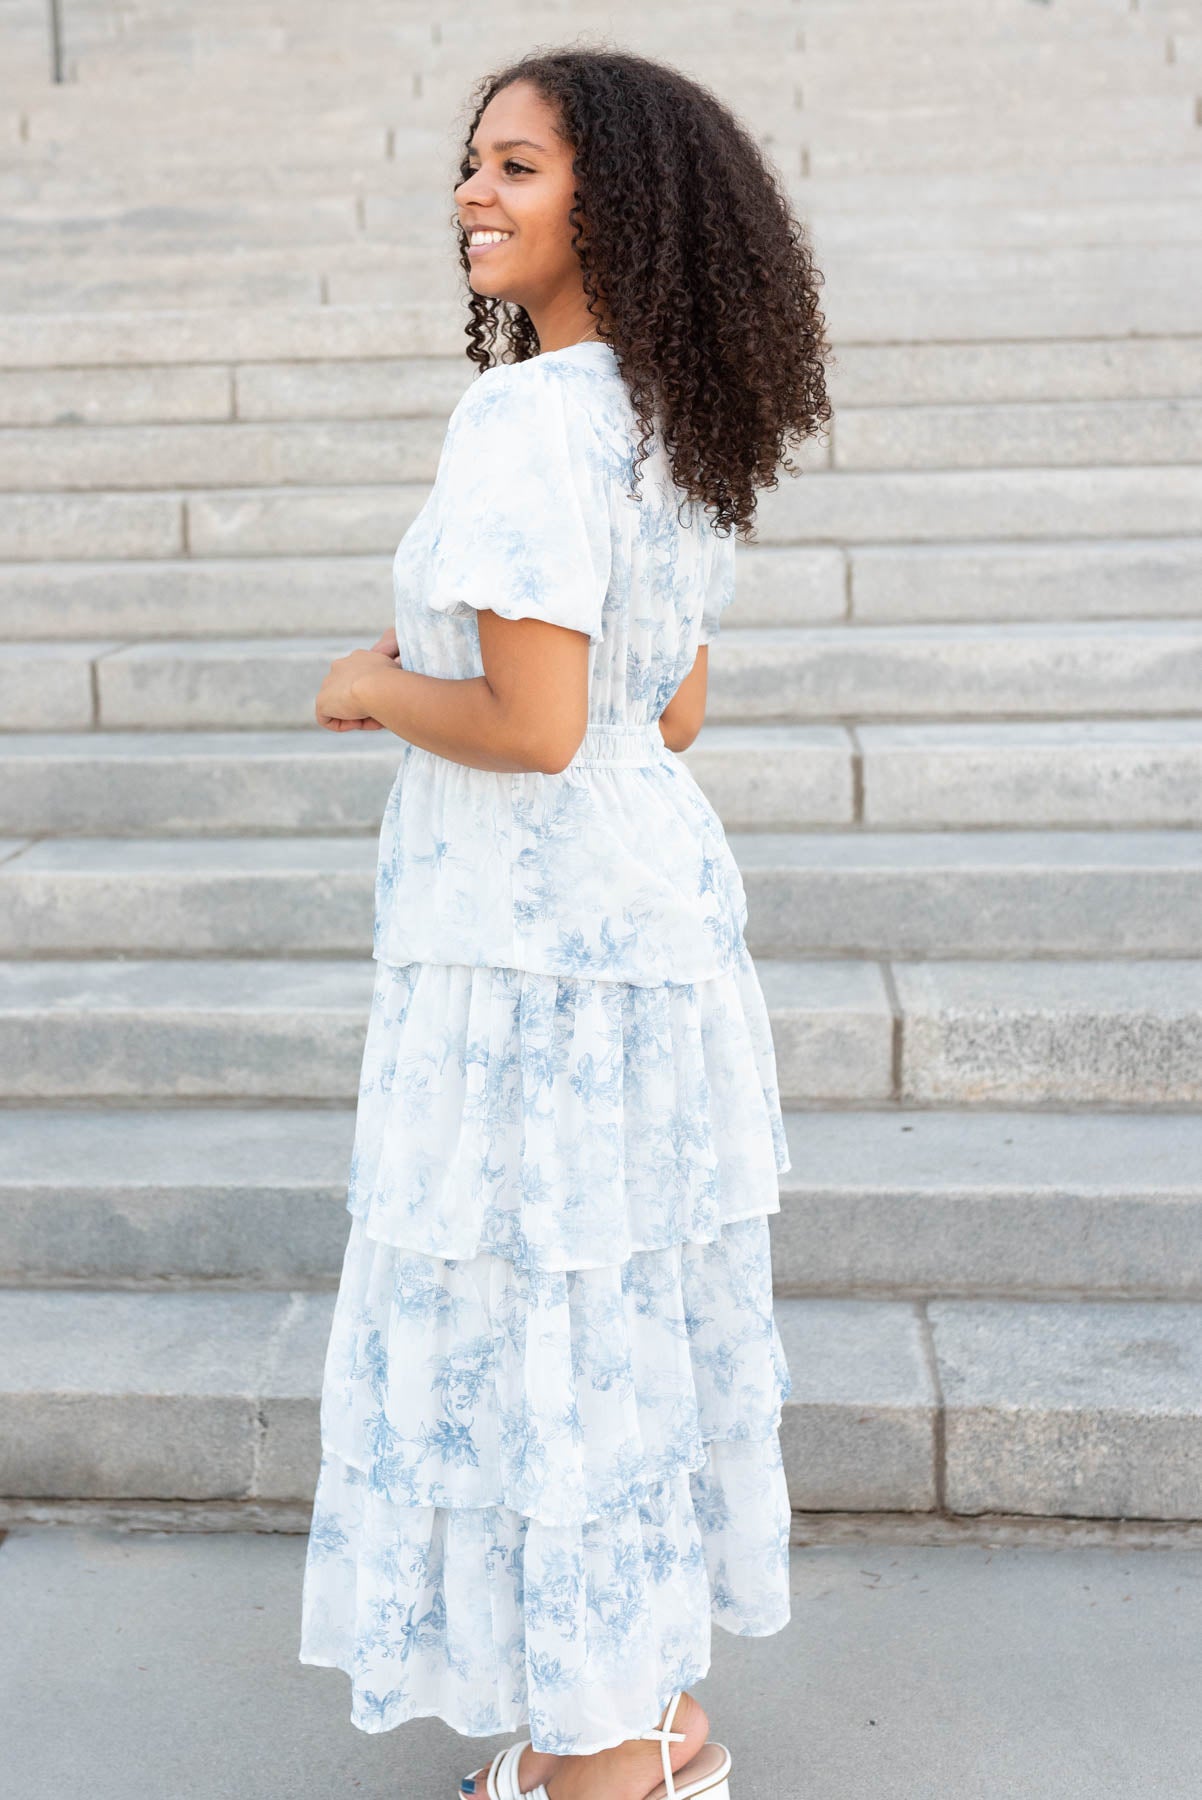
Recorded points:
(553, 1385)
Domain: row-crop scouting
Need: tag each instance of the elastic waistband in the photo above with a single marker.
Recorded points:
(634, 745)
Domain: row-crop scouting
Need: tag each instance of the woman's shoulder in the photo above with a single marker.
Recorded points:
(551, 382)
(548, 404)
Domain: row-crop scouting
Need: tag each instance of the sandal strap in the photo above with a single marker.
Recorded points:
(666, 1736)
(503, 1776)
(511, 1772)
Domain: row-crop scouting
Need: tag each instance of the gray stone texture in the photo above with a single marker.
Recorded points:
(954, 732)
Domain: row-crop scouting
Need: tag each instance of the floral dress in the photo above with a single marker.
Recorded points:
(553, 1385)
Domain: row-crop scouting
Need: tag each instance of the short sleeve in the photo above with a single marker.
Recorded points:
(522, 513)
(720, 587)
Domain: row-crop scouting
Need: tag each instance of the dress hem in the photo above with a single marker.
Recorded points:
(515, 1724)
(319, 1662)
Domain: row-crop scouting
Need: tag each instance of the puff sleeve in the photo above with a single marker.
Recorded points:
(523, 523)
(720, 587)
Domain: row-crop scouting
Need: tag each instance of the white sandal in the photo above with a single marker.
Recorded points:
(501, 1778)
(705, 1775)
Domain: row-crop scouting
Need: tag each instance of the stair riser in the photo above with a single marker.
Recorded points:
(851, 507)
(814, 677)
(889, 1202)
(971, 1406)
(840, 1244)
(1146, 779)
(324, 907)
(827, 1049)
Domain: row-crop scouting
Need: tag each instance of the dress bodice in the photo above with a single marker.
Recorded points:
(616, 868)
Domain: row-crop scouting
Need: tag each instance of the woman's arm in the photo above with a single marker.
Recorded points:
(528, 711)
(684, 714)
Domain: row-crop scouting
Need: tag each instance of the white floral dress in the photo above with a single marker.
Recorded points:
(552, 1391)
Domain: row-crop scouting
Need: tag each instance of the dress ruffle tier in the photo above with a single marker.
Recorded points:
(553, 1387)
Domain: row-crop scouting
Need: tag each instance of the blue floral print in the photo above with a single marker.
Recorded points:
(550, 1408)
(618, 866)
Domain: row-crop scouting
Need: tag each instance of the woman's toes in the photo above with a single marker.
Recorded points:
(534, 1766)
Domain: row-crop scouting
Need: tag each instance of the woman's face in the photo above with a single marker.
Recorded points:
(525, 189)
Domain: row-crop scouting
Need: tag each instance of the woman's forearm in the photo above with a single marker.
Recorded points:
(461, 719)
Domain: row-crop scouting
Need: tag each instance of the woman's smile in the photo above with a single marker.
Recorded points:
(478, 247)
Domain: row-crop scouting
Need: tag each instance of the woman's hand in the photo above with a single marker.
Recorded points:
(387, 644)
(336, 708)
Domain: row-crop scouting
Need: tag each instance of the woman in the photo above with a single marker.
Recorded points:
(552, 1392)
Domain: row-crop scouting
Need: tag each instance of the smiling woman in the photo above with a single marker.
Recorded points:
(553, 1386)
(515, 211)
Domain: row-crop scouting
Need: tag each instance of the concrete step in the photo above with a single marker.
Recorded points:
(819, 506)
(199, 598)
(1085, 292)
(285, 782)
(979, 671)
(1050, 433)
(150, 783)
(92, 525)
(897, 1203)
(970, 894)
(872, 295)
(1087, 1032)
(38, 681)
(873, 375)
(81, 339)
(862, 139)
(952, 75)
(1030, 1406)
(1073, 1032)
(306, 29)
(105, 191)
(930, 1202)
(188, 896)
(397, 388)
(308, 218)
(322, 452)
(796, 674)
(816, 674)
(233, 453)
(1089, 1409)
(929, 505)
(227, 259)
(869, 377)
(257, 521)
(1075, 578)
(991, 306)
(846, 132)
(1115, 772)
(935, 123)
(824, 893)
(1084, 773)
(150, 598)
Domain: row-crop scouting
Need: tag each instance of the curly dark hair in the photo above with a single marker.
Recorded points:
(708, 282)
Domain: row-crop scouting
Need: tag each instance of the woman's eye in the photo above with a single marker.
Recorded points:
(467, 173)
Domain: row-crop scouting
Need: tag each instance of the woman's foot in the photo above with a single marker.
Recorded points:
(534, 1766)
(632, 1770)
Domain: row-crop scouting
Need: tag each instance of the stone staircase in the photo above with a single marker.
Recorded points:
(955, 726)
